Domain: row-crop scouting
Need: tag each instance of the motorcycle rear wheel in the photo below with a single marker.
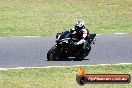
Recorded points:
(81, 56)
(78, 58)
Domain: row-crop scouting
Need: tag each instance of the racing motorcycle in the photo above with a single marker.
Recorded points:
(66, 47)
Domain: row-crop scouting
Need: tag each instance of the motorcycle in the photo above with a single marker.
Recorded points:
(66, 47)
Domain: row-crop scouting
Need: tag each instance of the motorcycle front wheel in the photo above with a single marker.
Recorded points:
(52, 54)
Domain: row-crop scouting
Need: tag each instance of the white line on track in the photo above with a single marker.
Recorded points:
(120, 33)
(44, 36)
(98, 34)
(28, 36)
(19, 68)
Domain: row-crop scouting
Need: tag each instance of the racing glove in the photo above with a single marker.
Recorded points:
(71, 30)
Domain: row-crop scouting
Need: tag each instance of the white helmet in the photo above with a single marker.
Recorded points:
(80, 24)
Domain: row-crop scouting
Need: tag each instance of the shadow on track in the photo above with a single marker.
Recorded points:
(68, 59)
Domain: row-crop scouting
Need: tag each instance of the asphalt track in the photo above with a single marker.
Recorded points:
(31, 51)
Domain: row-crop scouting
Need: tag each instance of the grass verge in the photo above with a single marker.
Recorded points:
(47, 17)
(59, 77)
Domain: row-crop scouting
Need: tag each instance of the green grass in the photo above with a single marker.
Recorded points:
(59, 77)
(46, 17)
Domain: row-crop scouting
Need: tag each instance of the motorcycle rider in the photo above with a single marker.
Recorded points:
(81, 32)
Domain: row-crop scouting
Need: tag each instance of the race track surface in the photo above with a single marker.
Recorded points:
(31, 51)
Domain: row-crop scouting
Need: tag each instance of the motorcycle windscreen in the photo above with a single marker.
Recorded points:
(64, 35)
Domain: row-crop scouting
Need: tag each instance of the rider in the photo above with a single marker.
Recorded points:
(81, 32)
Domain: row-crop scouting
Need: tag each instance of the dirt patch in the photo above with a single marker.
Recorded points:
(130, 9)
(107, 4)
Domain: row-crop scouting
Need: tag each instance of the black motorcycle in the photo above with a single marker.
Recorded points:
(66, 47)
